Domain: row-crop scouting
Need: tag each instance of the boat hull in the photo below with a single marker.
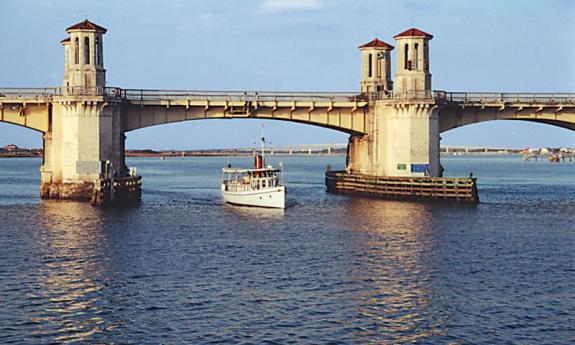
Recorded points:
(269, 197)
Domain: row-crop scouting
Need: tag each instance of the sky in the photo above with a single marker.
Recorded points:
(295, 45)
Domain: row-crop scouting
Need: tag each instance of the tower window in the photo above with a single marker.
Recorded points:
(87, 51)
(76, 51)
(416, 56)
(369, 65)
(425, 56)
(380, 60)
(406, 65)
(97, 52)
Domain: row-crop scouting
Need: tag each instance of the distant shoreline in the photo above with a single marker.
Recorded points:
(249, 154)
(241, 153)
(21, 156)
(224, 154)
(192, 154)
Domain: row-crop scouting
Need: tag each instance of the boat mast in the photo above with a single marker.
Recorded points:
(263, 148)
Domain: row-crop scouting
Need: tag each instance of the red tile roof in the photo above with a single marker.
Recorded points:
(376, 43)
(87, 25)
(413, 32)
(65, 40)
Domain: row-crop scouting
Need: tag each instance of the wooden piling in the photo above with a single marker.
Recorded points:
(441, 188)
(120, 191)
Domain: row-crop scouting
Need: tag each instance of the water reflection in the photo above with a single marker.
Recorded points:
(398, 263)
(184, 268)
(70, 277)
(259, 213)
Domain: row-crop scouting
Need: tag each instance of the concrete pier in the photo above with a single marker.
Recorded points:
(84, 143)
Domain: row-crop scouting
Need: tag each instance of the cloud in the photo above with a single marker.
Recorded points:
(276, 6)
(201, 22)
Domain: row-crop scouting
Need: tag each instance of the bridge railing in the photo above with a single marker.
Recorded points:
(401, 95)
(157, 95)
(89, 91)
(35, 93)
(482, 97)
(16, 92)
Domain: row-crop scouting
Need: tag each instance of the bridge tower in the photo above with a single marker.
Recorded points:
(412, 69)
(402, 127)
(85, 141)
(83, 55)
(375, 67)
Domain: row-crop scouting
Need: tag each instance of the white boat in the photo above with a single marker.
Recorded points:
(259, 187)
(253, 187)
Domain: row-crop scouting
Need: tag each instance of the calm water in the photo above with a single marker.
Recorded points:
(183, 268)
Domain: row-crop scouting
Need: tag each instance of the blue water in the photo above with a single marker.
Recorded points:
(184, 268)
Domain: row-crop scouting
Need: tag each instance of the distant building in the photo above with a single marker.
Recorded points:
(544, 151)
(10, 147)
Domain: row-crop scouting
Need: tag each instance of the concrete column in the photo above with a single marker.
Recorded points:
(86, 134)
(403, 140)
(412, 140)
(47, 165)
(357, 160)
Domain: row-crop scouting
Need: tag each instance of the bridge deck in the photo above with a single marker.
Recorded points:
(36, 95)
(345, 111)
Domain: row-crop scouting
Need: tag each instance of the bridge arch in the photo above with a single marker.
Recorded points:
(24, 137)
(264, 118)
(21, 125)
(455, 118)
(343, 112)
(32, 116)
(228, 134)
(509, 134)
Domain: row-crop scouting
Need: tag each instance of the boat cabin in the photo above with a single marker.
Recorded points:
(243, 180)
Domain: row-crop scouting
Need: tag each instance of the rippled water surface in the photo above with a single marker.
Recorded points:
(184, 268)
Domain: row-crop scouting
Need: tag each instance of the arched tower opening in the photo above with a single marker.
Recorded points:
(406, 61)
(86, 50)
(416, 56)
(77, 51)
(97, 52)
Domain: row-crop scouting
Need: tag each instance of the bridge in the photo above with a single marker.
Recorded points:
(343, 111)
(394, 125)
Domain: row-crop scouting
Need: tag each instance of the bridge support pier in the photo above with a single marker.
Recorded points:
(398, 157)
(401, 140)
(84, 151)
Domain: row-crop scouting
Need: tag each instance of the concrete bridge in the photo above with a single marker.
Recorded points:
(394, 126)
